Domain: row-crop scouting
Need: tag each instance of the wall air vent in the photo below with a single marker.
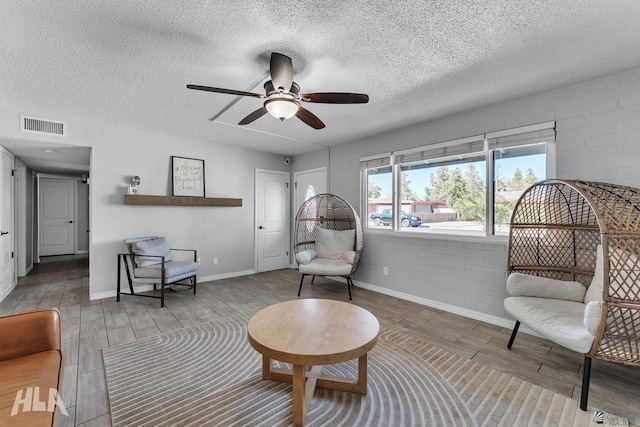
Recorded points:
(34, 124)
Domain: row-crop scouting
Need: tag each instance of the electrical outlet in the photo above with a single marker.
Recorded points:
(215, 261)
(198, 260)
(385, 271)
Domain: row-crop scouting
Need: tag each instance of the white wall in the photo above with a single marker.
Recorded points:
(118, 153)
(83, 217)
(598, 138)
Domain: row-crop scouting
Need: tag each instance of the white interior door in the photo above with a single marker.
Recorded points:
(21, 217)
(7, 236)
(307, 184)
(272, 220)
(57, 217)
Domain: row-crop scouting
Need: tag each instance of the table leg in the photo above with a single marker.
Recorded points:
(299, 382)
(361, 386)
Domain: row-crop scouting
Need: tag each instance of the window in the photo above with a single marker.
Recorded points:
(467, 186)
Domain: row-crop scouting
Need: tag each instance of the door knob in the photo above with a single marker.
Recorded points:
(262, 228)
(2, 233)
(70, 222)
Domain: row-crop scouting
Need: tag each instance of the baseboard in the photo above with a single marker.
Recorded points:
(472, 314)
(226, 275)
(82, 252)
(112, 293)
(144, 288)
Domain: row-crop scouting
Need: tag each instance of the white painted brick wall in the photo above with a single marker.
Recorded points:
(598, 138)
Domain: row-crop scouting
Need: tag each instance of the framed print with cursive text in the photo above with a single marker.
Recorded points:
(187, 176)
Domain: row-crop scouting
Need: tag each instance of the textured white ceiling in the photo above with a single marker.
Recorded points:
(128, 62)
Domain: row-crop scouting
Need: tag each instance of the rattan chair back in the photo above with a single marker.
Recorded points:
(555, 229)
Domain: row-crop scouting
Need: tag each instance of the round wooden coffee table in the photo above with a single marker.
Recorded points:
(313, 332)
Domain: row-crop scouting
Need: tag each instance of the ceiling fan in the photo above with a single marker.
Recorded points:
(283, 96)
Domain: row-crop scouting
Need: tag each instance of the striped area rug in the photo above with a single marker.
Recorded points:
(208, 375)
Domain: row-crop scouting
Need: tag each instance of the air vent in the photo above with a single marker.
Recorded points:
(34, 124)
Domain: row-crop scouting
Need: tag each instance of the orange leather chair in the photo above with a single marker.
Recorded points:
(30, 369)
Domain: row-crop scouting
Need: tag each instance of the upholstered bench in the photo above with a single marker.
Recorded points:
(31, 369)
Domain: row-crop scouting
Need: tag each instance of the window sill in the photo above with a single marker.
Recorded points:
(434, 235)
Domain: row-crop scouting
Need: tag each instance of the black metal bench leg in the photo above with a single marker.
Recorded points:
(162, 283)
(586, 377)
(313, 278)
(513, 334)
(300, 288)
(118, 287)
(194, 284)
(349, 284)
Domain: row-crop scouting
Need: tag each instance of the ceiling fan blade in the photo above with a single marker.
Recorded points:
(227, 91)
(309, 118)
(281, 71)
(253, 116)
(335, 98)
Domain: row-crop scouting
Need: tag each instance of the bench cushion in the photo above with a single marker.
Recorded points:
(560, 321)
(42, 370)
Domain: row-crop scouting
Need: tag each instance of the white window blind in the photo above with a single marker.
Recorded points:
(458, 147)
(373, 163)
(525, 135)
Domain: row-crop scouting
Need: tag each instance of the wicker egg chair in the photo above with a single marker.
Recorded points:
(556, 228)
(333, 214)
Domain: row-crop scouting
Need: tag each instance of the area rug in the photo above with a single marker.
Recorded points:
(208, 375)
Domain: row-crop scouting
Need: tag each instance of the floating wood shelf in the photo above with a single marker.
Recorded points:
(141, 200)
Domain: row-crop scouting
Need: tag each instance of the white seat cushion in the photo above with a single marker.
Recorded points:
(333, 244)
(592, 315)
(560, 321)
(596, 288)
(172, 270)
(326, 267)
(305, 257)
(526, 285)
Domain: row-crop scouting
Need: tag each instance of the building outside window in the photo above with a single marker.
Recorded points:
(463, 187)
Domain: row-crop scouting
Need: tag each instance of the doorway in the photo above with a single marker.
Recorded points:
(57, 217)
(308, 184)
(272, 220)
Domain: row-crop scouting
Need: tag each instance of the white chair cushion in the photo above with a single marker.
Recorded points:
(560, 321)
(332, 244)
(526, 285)
(305, 257)
(349, 256)
(592, 315)
(326, 267)
(595, 290)
(157, 247)
(172, 270)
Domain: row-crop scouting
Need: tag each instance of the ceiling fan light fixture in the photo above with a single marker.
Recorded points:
(282, 108)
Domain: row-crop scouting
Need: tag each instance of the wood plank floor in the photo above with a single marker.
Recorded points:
(89, 326)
